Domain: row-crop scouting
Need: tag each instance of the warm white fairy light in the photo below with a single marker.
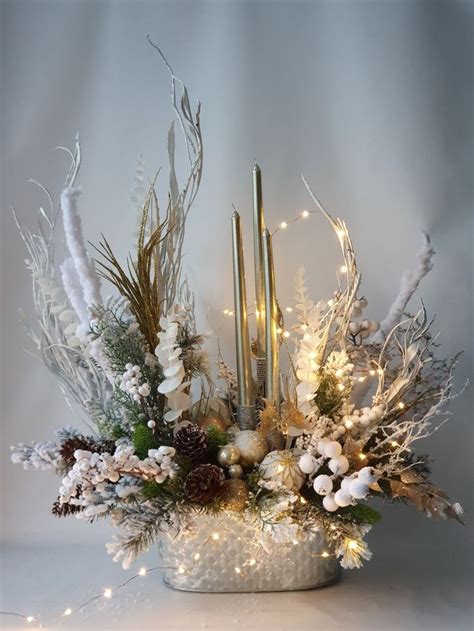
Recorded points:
(197, 556)
(343, 269)
(325, 554)
(237, 570)
(286, 334)
(215, 536)
(181, 570)
(362, 457)
(401, 405)
(304, 214)
(107, 593)
(252, 562)
(279, 331)
(289, 309)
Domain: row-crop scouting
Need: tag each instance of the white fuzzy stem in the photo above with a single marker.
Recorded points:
(73, 290)
(408, 285)
(84, 266)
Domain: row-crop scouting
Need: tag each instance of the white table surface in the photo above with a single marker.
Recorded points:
(422, 587)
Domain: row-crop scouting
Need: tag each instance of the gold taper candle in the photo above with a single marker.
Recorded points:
(258, 228)
(245, 394)
(272, 346)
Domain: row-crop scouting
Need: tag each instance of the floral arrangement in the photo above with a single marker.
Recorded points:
(357, 396)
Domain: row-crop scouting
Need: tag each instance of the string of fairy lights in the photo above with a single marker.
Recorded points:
(107, 593)
(283, 225)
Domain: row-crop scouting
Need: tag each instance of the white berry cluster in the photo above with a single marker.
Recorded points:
(352, 488)
(364, 328)
(363, 418)
(43, 456)
(131, 383)
(103, 477)
(328, 450)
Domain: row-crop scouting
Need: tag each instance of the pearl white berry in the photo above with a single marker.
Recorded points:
(346, 481)
(367, 475)
(342, 498)
(322, 446)
(329, 503)
(332, 449)
(307, 463)
(358, 489)
(151, 424)
(339, 465)
(322, 484)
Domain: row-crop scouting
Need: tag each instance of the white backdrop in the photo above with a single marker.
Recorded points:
(371, 100)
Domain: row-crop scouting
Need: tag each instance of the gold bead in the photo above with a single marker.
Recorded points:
(228, 455)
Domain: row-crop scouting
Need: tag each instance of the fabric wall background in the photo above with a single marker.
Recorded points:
(371, 100)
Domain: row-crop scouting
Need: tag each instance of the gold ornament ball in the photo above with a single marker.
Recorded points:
(211, 407)
(207, 421)
(235, 494)
(236, 471)
(252, 446)
(228, 455)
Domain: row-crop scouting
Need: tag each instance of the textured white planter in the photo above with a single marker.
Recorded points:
(224, 554)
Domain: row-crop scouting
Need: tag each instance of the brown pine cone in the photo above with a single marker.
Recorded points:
(87, 443)
(204, 483)
(190, 442)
